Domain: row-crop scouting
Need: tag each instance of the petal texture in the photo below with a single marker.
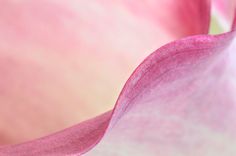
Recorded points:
(179, 101)
(65, 61)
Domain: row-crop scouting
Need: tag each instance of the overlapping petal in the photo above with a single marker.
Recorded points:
(64, 61)
(179, 101)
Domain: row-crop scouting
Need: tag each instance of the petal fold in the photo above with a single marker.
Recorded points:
(65, 61)
(179, 101)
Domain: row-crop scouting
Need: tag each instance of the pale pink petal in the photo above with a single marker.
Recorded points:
(179, 102)
(224, 11)
(226, 7)
(64, 61)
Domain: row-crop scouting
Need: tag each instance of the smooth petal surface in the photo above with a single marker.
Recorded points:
(226, 7)
(64, 61)
(72, 141)
(223, 12)
(179, 101)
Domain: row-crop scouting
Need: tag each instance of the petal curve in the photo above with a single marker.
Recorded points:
(65, 61)
(174, 100)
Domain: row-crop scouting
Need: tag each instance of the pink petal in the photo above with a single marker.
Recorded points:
(224, 9)
(64, 61)
(71, 141)
(179, 101)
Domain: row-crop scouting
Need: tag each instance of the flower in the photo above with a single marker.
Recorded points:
(62, 56)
